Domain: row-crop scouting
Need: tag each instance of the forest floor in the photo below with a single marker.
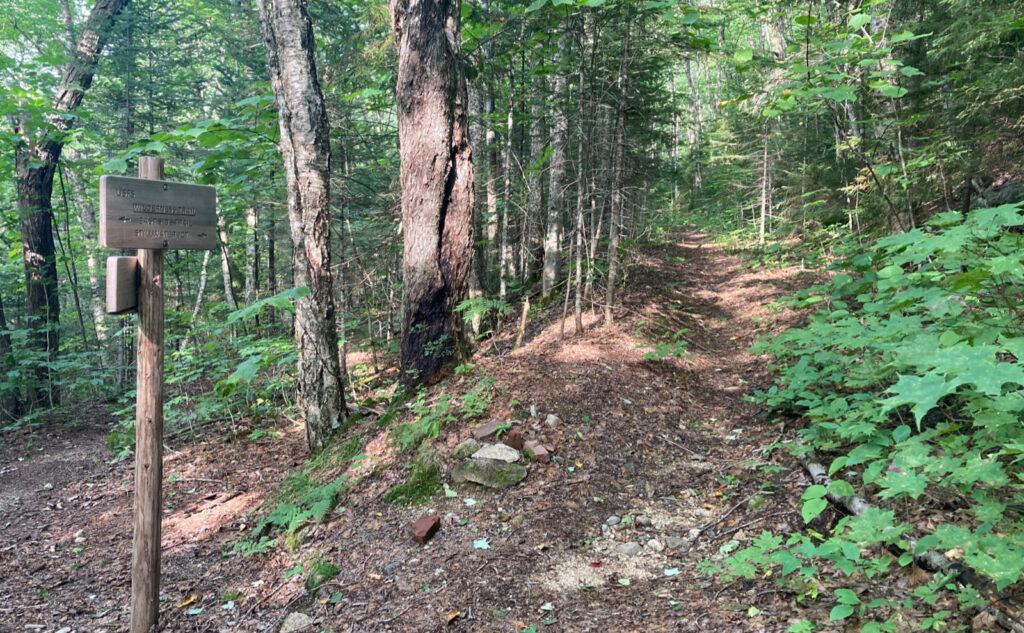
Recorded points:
(669, 445)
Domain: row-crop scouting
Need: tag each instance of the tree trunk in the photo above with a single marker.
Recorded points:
(252, 254)
(35, 165)
(268, 237)
(618, 169)
(556, 183)
(10, 399)
(225, 264)
(505, 264)
(437, 185)
(288, 39)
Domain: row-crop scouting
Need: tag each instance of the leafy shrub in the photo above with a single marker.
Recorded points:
(909, 373)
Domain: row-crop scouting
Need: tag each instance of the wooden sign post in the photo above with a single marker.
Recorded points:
(152, 215)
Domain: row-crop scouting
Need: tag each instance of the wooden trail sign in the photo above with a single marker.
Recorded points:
(150, 214)
(137, 213)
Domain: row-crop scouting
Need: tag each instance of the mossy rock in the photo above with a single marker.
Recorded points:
(489, 473)
(466, 449)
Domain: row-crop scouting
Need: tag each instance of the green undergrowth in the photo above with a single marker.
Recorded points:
(909, 378)
(423, 482)
(430, 411)
(306, 496)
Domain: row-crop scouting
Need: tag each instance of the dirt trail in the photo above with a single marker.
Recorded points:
(669, 441)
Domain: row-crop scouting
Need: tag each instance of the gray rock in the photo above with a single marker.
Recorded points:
(613, 520)
(465, 449)
(558, 459)
(533, 411)
(488, 429)
(642, 521)
(552, 420)
(498, 452)
(605, 529)
(629, 549)
(694, 533)
(296, 622)
(655, 545)
(390, 567)
(489, 473)
(677, 543)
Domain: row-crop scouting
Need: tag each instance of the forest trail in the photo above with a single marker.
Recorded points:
(667, 445)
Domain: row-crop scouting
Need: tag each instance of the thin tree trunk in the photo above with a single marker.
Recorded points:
(225, 264)
(437, 185)
(194, 321)
(268, 237)
(556, 182)
(505, 263)
(288, 39)
(764, 189)
(252, 254)
(618, 168)
(10, 399)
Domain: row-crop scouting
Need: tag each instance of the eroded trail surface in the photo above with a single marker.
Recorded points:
(655, 468)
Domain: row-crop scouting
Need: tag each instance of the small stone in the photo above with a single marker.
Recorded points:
(498, 452)
(423, 529)
(488, 429)
(412, 562)
(558, 459)
(642, 520)
(296, 622)
(465, 449)
(47, 486)
(552, 420)
(533, 410)
(694, 533)
(605, 529)
(655, 545)
(677, 543)
(514, 438)
(629, 549)
(613, 520)
(390, 567)
(451, 519)
(66, 629)
(517, 521)
(537, 450)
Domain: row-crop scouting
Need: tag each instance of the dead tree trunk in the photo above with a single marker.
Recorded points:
(437, 185)
(288, 39)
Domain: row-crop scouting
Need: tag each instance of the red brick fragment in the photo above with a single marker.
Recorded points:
(514, 438)
(540, 454)
(423, 529)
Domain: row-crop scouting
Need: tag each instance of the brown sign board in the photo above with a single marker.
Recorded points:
(157, 214)
(122, 284)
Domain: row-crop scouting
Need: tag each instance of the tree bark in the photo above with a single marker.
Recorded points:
(437, 185)
(288, 39)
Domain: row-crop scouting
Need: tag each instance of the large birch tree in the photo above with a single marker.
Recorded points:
(288, 38)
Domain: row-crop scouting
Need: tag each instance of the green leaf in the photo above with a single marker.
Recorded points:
(840, 612)
(115, 166)
(923, 392)
(858, 20)
(743, 55)
(841, 488)
(812, 508)
(814, 492)
(536, 5)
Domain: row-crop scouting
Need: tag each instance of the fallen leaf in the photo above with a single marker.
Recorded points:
(187, 601)
(672, 572)
(597, 563)
(547, 606)
(624, 582)
(451, 616)
(481, 544)
(469, 502)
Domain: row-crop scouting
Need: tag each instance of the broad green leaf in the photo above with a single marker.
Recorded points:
(840, 612)
(812, 508)
(859, 20)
